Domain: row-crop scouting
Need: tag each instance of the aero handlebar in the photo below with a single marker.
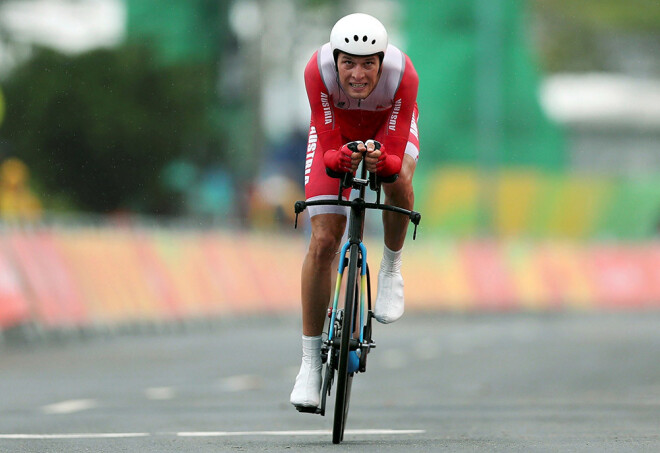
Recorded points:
(349, 180)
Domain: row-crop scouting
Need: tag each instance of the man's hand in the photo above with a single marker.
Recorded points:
(356, 157)
(372, 155)
(379, 162)
(344, 160)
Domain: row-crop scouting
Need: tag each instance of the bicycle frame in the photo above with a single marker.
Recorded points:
(343, 264)
(358, 208)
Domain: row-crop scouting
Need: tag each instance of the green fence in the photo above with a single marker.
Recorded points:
(479, 81)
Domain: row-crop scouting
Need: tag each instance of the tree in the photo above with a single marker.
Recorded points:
(97, 129)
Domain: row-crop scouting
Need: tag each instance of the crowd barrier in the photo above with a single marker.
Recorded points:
(59, 278)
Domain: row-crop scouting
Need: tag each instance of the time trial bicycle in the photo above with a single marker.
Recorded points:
(348, 341)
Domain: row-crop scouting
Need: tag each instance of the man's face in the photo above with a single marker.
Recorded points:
(358, 76)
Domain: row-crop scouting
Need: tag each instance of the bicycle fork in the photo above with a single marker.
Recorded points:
(364, 301)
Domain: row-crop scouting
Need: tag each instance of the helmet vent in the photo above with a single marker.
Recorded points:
(355, 38)
(373, 42)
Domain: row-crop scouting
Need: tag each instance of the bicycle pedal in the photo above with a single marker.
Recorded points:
(308, 409)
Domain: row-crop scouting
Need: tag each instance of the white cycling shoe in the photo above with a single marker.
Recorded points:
(389, 301)
(307, 389)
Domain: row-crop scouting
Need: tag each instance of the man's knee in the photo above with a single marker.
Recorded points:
(324, 244)
(404, 181)
(401, 191)
(326, 237)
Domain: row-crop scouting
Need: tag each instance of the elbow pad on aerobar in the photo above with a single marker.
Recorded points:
(388, 164)
(338, 160)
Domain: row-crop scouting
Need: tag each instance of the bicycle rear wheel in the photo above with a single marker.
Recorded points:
(344, 378)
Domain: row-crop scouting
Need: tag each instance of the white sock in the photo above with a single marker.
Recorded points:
(311, 347)
(391, 260)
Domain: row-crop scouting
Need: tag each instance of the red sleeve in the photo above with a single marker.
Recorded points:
(323, 110)
(398, 123)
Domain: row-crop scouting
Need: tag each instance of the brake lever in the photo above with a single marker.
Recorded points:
(299, 207)
(415, 218)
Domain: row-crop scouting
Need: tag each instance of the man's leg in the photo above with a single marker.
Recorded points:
(327, 231)
(399, 193)
(317, 270)
(389, 301)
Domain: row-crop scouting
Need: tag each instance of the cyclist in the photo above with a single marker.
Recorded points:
(359, 88)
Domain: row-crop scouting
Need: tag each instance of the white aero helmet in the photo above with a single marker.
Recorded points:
(358, 34)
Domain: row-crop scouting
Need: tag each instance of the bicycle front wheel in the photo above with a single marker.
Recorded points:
(344, 378)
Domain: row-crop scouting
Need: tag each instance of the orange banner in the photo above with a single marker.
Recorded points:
(61, 278)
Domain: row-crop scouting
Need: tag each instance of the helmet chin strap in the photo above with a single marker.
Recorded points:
(341, 88)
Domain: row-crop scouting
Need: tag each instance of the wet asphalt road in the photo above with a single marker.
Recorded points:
(436, 382)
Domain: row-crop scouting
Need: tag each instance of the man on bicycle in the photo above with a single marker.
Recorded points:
(360, 88)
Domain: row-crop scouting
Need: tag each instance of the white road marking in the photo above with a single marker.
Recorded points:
(69, 406)
(73, 436)
(356, 432)
(241, 383)
(159, 393)
(350, 432)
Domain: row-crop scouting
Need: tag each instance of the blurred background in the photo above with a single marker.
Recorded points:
(151, 152)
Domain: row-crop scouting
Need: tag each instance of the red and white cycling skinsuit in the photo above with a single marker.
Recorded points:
(389, 115)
